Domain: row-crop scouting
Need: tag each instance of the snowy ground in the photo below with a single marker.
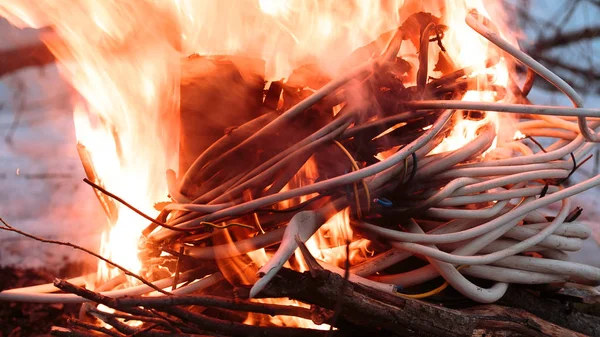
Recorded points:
(40, 173)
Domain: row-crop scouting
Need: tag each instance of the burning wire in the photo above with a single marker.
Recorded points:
(455, 180)
(9, 228)
(142, 214)
(365, 187)
(226, 225)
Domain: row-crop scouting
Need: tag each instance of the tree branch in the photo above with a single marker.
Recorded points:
(9, 228)
(588, 73)
(36, 55)
(202, 321)
(407, 317)
(561, 38)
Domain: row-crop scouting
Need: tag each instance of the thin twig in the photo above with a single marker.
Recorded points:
(198, 320)
(128, 205)
(162, 224)
(9, 228)
(142, 331)
(213, 302)
(88, 326)
(561, 39)
(340, 300)
(20, 95)
(109, 206)
(63, 332)
(169, 324)
(177, 268)
(120, 326)
(310, 260)
(536, 143)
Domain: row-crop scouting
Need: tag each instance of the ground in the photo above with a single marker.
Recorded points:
(30, 319)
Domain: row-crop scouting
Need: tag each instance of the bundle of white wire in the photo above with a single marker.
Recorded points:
(490, 239)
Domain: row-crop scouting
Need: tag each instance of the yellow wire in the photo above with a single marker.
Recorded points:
(257, 222)
(431, 292)
(356, 168)
(206, 223)
(248, 194)
(368, 194)
(405, 170)
(357, 200)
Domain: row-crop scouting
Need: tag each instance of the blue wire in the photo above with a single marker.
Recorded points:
(384, 202)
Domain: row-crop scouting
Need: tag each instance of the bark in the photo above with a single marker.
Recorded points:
(557, 310)
(362, 306)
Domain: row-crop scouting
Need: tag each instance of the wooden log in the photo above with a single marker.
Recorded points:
(365, 307)
(561, 311)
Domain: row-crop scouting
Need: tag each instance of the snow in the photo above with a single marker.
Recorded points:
(41, 188)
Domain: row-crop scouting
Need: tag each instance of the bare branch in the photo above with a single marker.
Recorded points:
(586, 73)
(562, 39)
(36, 55)
(202, 321)
(9, 228)
(216, 302)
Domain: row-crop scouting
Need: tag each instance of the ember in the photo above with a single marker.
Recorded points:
(330, 199)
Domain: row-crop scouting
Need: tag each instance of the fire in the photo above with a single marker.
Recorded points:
(260, 257)
(518, 135)
(328, 244)
(123, 57)
(466, 130)
(468, 49)
(285, 33)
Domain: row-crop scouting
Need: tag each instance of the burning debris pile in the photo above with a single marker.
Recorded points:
(339, 202)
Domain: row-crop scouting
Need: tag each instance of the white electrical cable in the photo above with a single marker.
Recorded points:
(504, 170)
(537, 67)
(481, 213)
(49, 287)
(495, 196)
(131, 291)
(551, 266)
(323, 185)
(459, 282)
(509, 275)
(572, 229)
(443, 187)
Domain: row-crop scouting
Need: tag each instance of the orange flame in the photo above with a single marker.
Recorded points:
(285, 33)
(328, 244)
(123, 58)
(260, 257)
(128, 77)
